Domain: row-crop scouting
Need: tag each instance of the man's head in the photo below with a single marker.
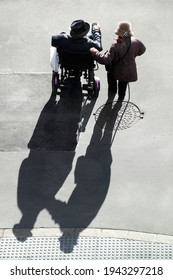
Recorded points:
(79, 29)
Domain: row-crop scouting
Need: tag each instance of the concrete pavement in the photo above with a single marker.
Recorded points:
(47, 180)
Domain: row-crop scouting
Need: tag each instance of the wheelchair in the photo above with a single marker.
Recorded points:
(77, 65)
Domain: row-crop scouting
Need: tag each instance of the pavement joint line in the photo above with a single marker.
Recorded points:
(25, 73)
(92, 232)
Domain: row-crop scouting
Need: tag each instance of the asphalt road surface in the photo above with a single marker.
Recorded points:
(52, 175)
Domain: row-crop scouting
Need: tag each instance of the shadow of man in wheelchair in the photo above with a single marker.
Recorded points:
(52, 150)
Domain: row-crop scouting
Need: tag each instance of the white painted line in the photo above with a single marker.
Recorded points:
(90, 232)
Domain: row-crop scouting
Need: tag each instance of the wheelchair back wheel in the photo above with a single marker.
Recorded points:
(96, 87)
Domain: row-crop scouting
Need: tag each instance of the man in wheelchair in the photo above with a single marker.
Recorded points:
(71, 54)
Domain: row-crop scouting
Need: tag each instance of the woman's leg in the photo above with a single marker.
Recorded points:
(112, 83)
(122, 89)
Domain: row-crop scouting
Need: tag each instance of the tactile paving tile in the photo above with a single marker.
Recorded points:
(70, 248)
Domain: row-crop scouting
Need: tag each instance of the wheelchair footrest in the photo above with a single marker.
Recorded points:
(87, 87)
(62, 85)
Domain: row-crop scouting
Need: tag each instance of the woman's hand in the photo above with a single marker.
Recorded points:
(93, 51)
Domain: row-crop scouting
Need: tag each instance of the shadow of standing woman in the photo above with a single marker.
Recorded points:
(92, 178)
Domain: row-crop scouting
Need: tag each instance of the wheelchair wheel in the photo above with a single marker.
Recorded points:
(96, 87)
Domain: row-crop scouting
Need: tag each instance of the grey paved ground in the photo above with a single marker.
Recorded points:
(46, 180)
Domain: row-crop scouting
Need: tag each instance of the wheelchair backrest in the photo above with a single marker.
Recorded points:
(76, 60)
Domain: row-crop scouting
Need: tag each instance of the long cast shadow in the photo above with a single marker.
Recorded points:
(92, 178)
(52, 150)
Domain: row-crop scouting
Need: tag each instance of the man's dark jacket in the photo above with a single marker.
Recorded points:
(65, 41)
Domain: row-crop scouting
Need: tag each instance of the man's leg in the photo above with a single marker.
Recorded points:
(54, 59)
(54, 62)
(96, 34)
